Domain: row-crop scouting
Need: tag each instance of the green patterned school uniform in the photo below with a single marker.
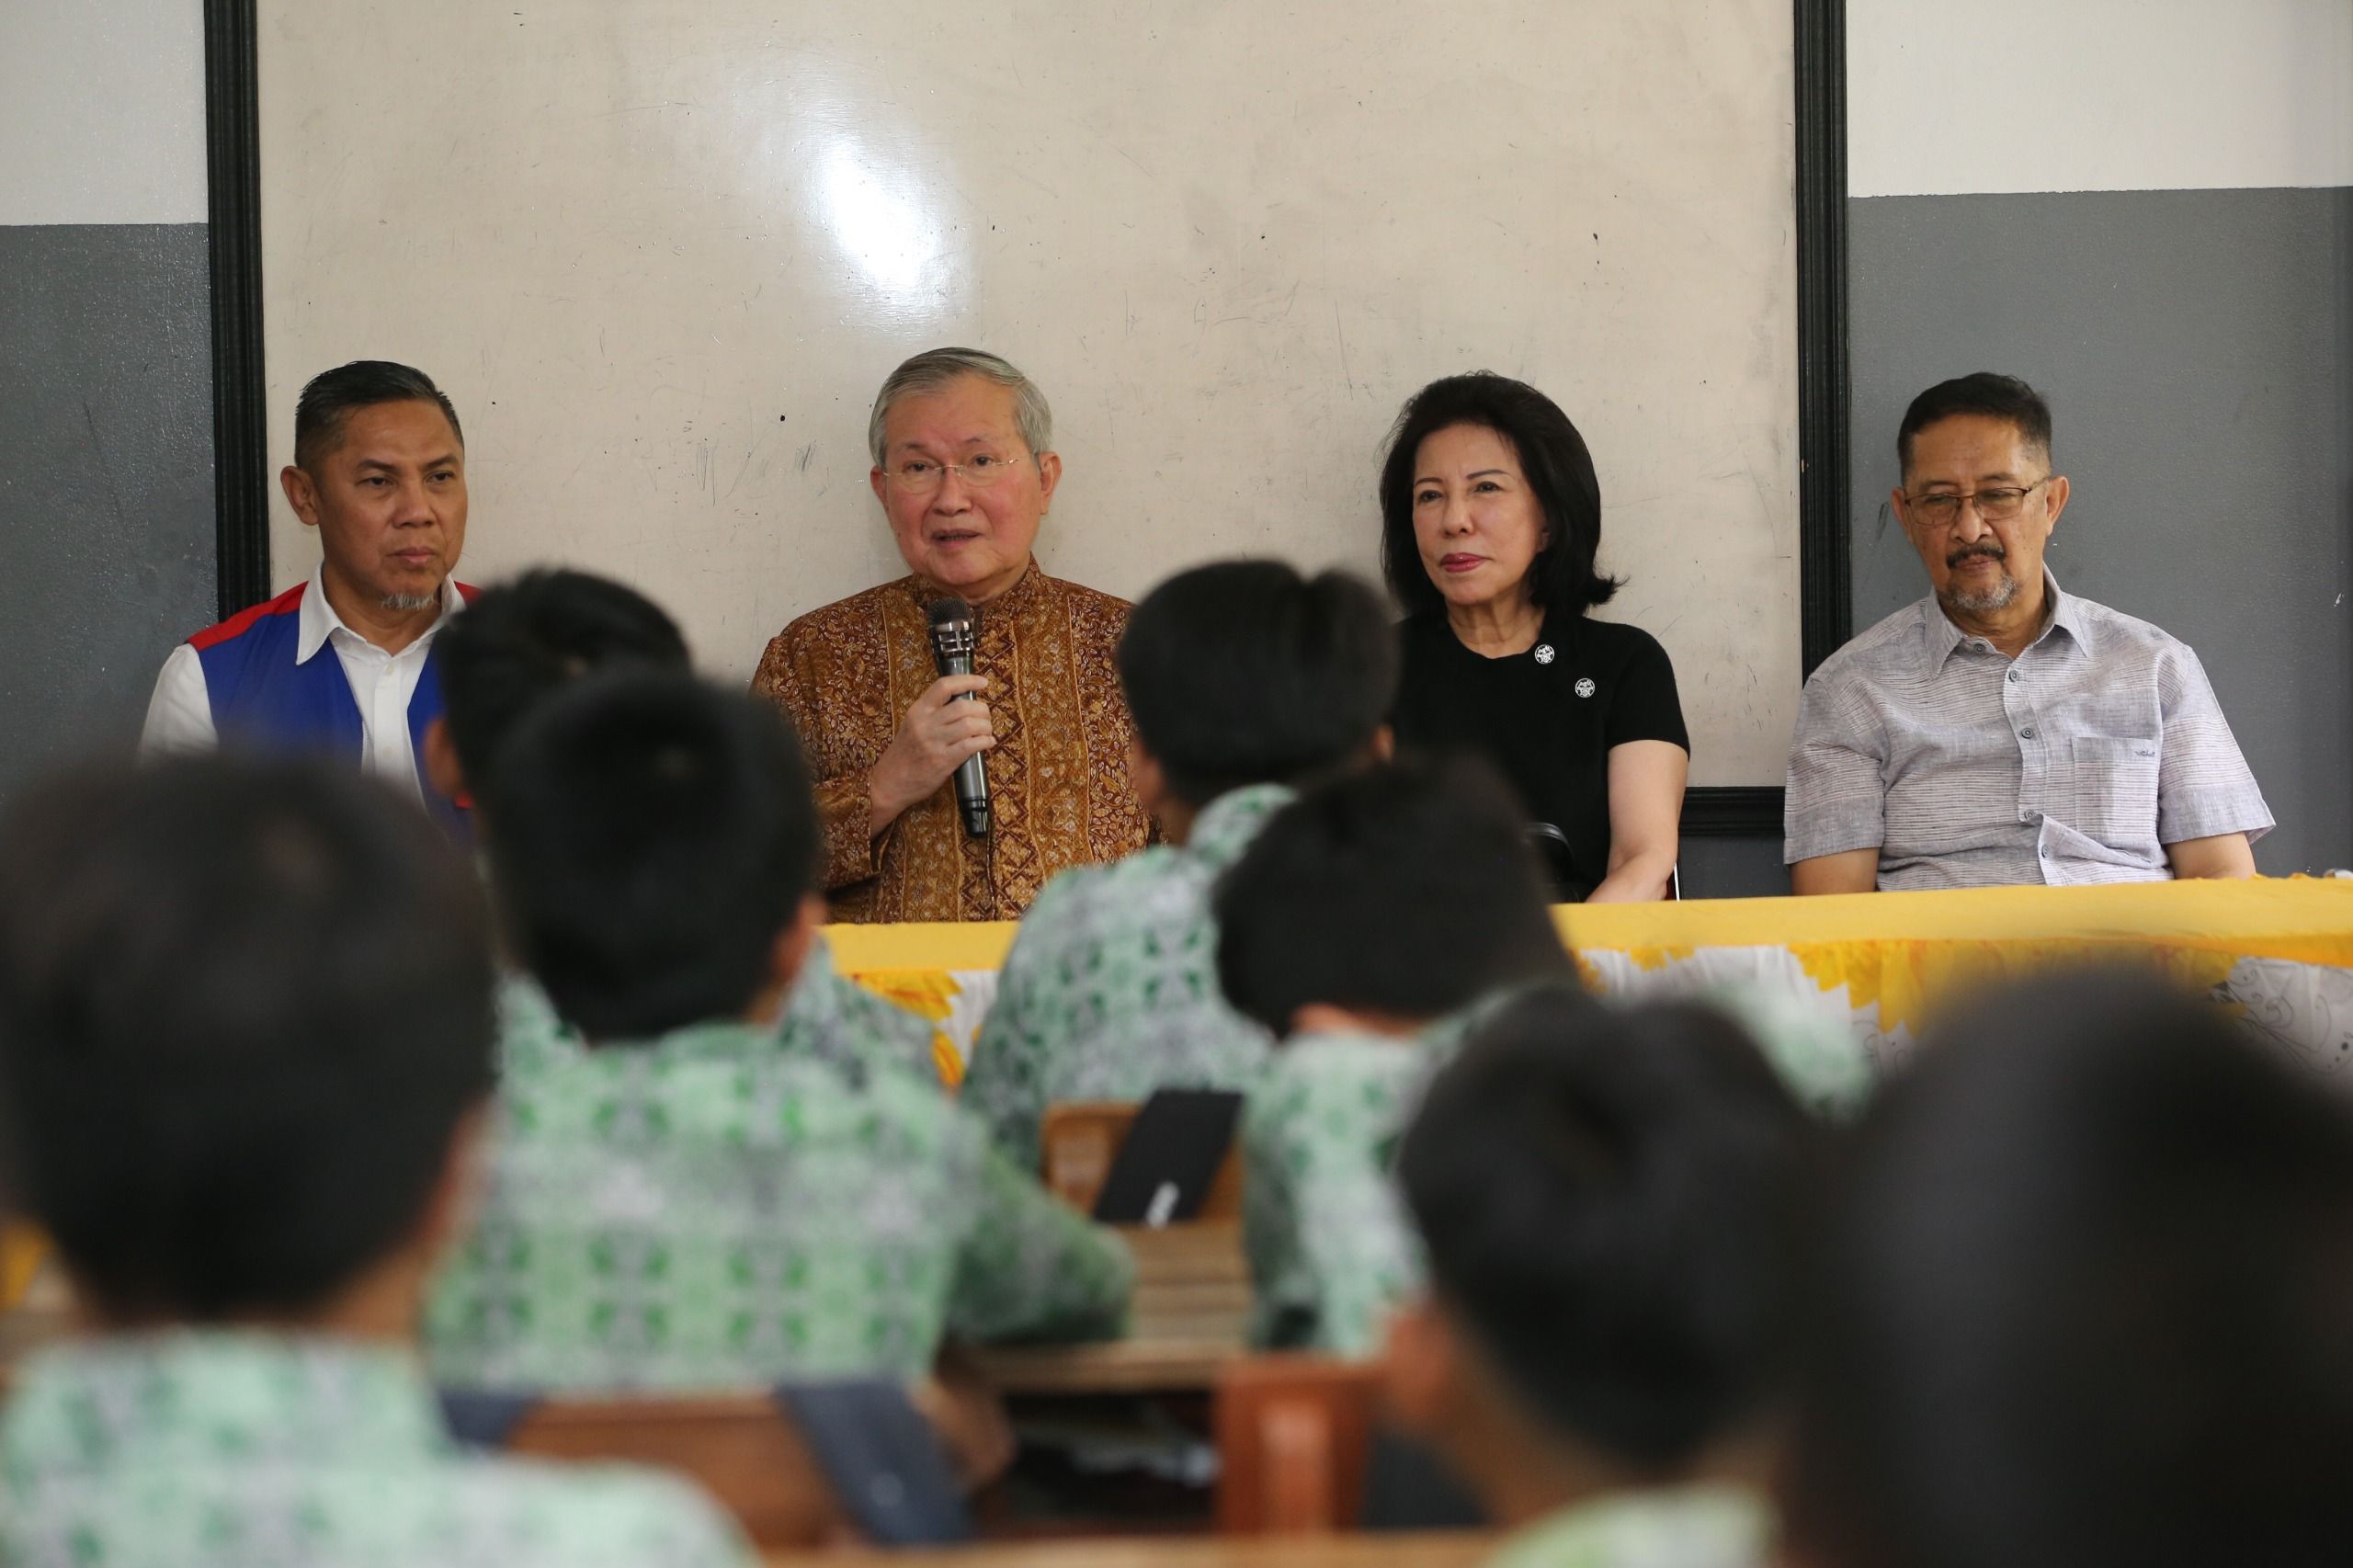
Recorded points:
(1111, 990)
(1691, 1527)
(251, 1451)
(827, 1017)
(706, 1211)
(1330, 1247)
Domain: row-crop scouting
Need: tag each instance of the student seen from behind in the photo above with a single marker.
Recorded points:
(2082, 1300)
(681, 1206)
(1365, 917)
(525, 639)
(1609, 1201)
(1246, 681)
(246, 1038)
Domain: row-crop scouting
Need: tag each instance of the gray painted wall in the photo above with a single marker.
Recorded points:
(106, 477)
(2197, 348)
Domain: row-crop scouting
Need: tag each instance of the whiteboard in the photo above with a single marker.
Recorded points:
(660, 253)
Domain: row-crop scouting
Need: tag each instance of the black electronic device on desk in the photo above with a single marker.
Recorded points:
(1163, 1170)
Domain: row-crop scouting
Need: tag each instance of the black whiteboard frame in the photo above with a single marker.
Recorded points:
(240, 385)
(240, 411)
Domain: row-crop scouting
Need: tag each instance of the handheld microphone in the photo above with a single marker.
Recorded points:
(955, 632)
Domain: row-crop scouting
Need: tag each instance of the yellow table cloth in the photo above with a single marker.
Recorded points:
(2279, 951)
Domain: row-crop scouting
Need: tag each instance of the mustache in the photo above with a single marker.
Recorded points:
(1986, 547)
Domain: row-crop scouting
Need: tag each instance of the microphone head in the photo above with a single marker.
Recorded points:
(954, 637)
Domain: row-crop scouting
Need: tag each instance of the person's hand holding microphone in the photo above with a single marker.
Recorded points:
(943, 735)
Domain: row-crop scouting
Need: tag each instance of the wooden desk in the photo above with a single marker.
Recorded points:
(1294, 1552)
(1191, 1316)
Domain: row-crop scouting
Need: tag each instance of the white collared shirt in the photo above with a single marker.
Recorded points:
(179, 716)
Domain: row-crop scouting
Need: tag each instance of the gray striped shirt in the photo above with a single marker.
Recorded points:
(2077, 762)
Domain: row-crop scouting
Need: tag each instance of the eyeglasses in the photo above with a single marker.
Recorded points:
(1996, 506)
(921, 476)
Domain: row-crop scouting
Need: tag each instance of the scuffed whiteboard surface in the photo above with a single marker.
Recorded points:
(661, 253)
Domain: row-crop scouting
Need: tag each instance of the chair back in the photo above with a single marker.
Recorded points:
(1079, 1140)
(1293, 1434)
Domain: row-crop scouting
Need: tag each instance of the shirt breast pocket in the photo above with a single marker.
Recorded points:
(2116, 789)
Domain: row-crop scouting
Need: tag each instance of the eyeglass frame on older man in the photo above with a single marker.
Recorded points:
(974, 477)
(1950, 502)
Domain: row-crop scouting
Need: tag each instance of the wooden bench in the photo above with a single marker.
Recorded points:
(1190, 1316)
(1191, 1311)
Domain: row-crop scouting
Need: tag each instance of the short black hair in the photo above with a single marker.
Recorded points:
(1558, 469)
(521, 640)
(1983, 393)
(652, 835)
(1407, 890)
(1611, 1200)
(330, 398)
(1244, 672)
(2084, 1299)
(244, 1007)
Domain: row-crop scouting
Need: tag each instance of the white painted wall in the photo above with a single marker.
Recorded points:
(661, 252)
(1950, 97)
(102, 112)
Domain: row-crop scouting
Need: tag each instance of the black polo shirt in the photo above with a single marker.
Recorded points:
(1547, 718)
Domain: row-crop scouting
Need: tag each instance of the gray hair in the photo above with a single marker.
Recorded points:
(936, 368)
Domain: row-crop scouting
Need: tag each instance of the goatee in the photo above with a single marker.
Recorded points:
(1983, 601)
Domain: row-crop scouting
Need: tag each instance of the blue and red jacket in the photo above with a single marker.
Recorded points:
(261, 697)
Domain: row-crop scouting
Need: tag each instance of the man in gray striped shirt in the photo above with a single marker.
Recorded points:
(2002, 730)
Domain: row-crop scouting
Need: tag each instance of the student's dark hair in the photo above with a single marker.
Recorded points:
(1611, 1200)
(1551, 454)
(1407, 890)
(330, 398)
(521, 640)
(1983, 393)
(2085, 1300)
(244, 1007)
(653, 835)
(1244, 672)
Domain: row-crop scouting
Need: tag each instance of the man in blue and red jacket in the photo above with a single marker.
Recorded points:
(379, 470)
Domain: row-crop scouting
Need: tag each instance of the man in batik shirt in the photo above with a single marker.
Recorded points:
(1610, 1202)
(966, 470)
(244, 1036)
(525, 639)
(677, 1204)
(1245, 679)
(1365, 917)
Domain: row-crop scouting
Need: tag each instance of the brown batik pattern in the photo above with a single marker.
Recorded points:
(1058, 790)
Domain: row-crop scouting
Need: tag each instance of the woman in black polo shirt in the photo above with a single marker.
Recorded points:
(1491, 516)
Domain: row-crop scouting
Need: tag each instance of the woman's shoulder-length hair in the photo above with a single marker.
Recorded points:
(1559, 469)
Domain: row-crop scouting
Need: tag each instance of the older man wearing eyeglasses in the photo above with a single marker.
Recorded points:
(964, 469)
(2001, 729)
